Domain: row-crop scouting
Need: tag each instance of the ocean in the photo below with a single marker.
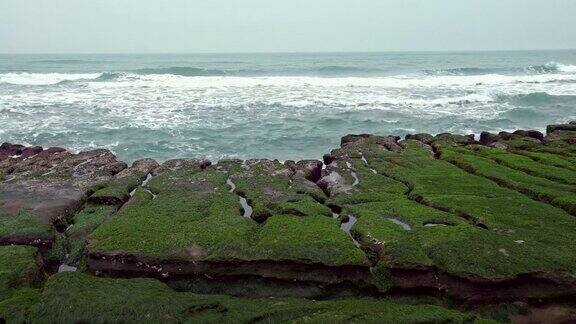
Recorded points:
(284, 106)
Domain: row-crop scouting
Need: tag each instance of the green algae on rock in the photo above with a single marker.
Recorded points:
(75, 297)
(20, 273)
(468, 227)
(193, 226)
(446, 216)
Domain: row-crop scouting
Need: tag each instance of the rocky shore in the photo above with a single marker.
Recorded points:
(445, 228)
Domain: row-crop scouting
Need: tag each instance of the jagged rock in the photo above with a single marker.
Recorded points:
(50, 200)
(506, 136)
(50, 151)
(499, 145)
(328, 159)
(46, 187)
(422, 137)
(352, 138)
(143, 166)
(560, 127)
(8, 150)
(561, 133)
(487, 138)
(309, 169)
(30, 151)
(530, 133)
(333, 183)
(350, 141)
(179, 164)
(461, 139)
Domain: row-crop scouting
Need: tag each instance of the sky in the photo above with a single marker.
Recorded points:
(206, 26)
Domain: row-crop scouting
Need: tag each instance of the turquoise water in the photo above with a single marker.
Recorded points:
(285, 106)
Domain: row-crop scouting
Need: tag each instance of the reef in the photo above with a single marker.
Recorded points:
(430, 228)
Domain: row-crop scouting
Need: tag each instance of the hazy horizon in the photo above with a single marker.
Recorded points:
(297, 52)
(258, 26)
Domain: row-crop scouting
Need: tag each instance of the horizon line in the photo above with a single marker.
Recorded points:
(291, 52)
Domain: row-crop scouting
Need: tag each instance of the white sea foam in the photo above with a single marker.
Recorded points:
(566, 68)
(401, 81)
(554, 67)
(183, 112)
(25, 78)
(561, 72)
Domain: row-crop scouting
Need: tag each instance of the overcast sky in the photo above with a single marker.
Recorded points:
(142, 26)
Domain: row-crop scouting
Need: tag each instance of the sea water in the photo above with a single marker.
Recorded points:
(285, 106)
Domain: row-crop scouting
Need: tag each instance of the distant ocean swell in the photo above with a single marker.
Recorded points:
(550, 72)
(551, 67)
(273, 106)
(554, 71)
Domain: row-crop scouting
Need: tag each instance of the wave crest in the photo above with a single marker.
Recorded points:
(25, 78)
(182, 71)
(548, 68)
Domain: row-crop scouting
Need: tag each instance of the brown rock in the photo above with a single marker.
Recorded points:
(50, 151)
(30, 151)
(333, 183)
(565, 127)
(460, 139)
(487, 138)
(50, 200)
(530, 133)
(350, 138)
(179, 164)
(310, 169)
(144, 166)
(7, 150)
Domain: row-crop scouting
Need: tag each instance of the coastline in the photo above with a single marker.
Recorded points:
(471, 220)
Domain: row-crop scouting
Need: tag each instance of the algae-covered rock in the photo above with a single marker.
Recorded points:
(101, 300)
(440, 212)
(20, 273)
(194, 225)
(44, 189)
(444, 216)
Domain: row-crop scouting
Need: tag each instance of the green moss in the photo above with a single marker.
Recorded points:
(508, 232)
(457, 248)
(191, 209)
(76, 297)
(380, 277)
(308, 239)
(301, 205)
(196, 210)
(16, 309)
(24, 225)
(89, 218)
(550, 159)
(57, 253)
(85, 222)
(404, 247)
(252, 287)
(269, 189)
(117, 191)
(528, 165)
(557, 194)
(18, 269)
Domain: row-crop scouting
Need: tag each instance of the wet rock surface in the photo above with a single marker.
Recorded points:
(448, 217)
(41, 189)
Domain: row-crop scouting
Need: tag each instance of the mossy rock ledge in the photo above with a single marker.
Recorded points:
(443, 228)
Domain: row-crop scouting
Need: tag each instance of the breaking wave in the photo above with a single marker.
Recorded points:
(25, 78)
(340, 75)
(182, 71)
(551, 67)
